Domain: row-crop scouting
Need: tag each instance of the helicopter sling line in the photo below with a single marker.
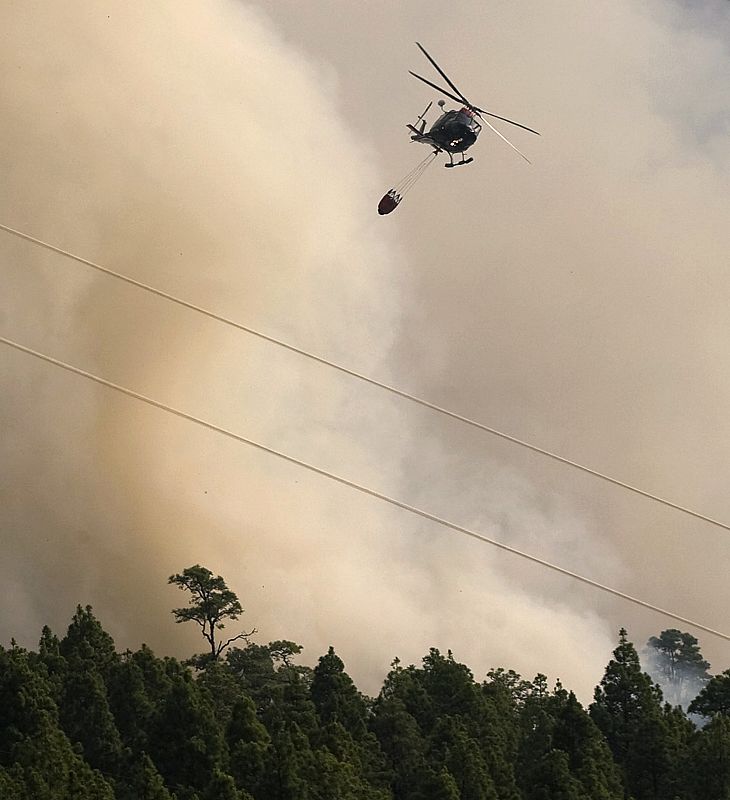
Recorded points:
(394, 196)
(360, 488)
(366, 379)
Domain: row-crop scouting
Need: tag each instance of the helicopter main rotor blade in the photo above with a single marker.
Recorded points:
(460, 97)
(442, 73)
(481, 111)
(486, 122)
(439, 89)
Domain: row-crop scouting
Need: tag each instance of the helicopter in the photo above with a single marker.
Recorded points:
(455, 131)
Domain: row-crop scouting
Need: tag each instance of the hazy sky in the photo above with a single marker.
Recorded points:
(233, 154)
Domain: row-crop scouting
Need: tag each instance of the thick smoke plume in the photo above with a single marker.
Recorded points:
(190, 146)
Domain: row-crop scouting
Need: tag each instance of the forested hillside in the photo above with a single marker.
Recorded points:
(81, 721)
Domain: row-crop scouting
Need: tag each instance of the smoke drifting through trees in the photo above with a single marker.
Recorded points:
(675, 662)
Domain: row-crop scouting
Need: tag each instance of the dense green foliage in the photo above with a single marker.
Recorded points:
(81, 721)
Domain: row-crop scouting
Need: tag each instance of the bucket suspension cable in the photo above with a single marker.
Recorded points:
(407, 182)
(394, 196)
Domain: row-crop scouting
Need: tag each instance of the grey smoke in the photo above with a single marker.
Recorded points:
(234, 160)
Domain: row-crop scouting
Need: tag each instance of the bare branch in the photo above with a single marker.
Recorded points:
(222, 647)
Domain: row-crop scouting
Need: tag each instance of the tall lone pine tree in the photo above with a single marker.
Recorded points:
(211, 602)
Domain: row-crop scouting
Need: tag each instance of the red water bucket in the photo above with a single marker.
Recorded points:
(388, 202)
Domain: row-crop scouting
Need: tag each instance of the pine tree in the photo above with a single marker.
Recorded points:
(439, 786)
(49, 658)
(287, 711)
(248, 744)
(708, 761)
(543, 770)
(454, 749)
(35, 754)
(289, 764)
(87, 719)
(452, 692)
(211, 604)
(714, 698)
(450, 685)
(186, 742)
(343, 717)
(84, 710)
(403, 744)
(223, 787)
(589, 757)
(676, 660)
(132, 708)
(141, 781)
(627, 709)
(12, 784)
(253, 668)
(335, 697)
(87, 642)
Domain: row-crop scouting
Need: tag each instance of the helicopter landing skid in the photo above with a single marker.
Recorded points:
(459, 163)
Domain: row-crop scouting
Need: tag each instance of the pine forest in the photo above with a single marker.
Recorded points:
(241, 720)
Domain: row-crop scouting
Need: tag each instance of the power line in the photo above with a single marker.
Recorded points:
(358, 487)
(372, 381)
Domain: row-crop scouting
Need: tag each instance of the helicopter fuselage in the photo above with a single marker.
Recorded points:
(454, 131)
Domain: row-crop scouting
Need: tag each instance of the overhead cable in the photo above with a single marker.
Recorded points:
(363, 489)
(372, 381)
